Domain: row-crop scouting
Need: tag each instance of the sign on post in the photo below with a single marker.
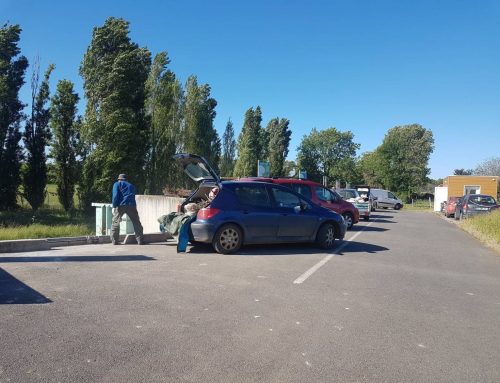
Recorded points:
(263, 169)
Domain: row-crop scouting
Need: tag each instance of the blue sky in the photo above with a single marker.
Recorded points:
(363, 66)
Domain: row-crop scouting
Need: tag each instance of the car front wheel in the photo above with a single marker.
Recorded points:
(228, 239)
(397, 207)
(349, 220)
(326, 236)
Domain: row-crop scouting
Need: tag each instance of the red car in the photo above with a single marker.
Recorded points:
(449, 208)
(318, 194)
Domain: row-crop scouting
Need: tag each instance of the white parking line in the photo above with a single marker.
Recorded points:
(316, 267)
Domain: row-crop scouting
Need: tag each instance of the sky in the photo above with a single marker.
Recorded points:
(362, 66)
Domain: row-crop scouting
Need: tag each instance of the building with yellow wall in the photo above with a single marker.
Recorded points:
(461, 185)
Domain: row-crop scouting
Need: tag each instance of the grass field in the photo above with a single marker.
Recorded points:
(50, 221)
(485, 227)
(419, 205)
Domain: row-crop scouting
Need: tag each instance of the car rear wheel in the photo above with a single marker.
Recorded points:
(326, 236)
(348, 219)
(228, 239)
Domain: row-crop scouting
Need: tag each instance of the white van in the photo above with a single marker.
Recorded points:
(385, 199)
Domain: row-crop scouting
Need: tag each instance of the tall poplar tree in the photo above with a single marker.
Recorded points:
(36, 137)
(228, 151)
(279, 136)
(12, 71)
(164, 110)
(249, 144)
(200, 136)
(65, 141)
(114, 70)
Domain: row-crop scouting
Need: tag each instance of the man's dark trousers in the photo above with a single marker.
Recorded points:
(131, 212)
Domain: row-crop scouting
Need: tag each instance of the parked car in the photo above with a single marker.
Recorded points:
(385, 199)
(361, 202)
(450, 206)
(318, 194)
(474, 204)
(250, 212)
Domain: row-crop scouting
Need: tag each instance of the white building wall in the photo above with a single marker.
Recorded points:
(440, 195)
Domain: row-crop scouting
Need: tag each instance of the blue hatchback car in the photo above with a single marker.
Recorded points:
(254, 212)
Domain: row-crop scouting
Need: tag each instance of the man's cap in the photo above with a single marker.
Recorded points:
(122, 177)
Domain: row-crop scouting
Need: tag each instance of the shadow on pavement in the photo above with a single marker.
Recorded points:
(381, 220)
(15, 292)
(361, 247)
(378, 215)
(294, 249)
(264, 250)
(78, 258)
(356, 228)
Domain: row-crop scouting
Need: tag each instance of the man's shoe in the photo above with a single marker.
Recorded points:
(115, 242)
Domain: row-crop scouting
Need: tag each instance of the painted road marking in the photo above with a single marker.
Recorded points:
(321, 263)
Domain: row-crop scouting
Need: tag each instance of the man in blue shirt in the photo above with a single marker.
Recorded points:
(124, 203)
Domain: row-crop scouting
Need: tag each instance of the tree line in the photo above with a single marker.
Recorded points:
(138, 114)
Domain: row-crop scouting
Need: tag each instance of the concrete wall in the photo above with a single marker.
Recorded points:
(151, 207)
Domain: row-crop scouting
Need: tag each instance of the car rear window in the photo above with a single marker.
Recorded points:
(253, 196)
(482, 200)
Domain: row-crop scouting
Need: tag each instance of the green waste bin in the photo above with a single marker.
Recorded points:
(104, 220)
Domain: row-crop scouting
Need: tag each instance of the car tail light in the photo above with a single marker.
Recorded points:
(207, 213)
(465, 207)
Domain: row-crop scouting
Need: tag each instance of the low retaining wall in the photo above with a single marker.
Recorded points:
(25, 245)
(152, 207)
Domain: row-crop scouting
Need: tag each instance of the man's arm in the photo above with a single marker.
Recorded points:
(116, 195)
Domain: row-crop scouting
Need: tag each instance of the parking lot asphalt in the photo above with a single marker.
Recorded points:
(407, 297)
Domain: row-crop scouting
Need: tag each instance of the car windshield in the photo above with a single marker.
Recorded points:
(349, 194)
(482, 200)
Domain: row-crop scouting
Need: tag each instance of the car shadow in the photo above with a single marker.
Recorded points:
(294, 249)
(376, 216)
(383, 220)
(360, 247)
(15, 292)
(77, 258)
(263, 250)
(356, 228)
